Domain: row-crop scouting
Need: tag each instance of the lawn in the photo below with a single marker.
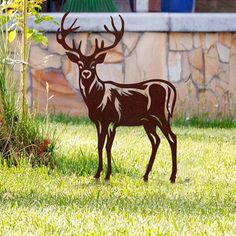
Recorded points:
(68, 201)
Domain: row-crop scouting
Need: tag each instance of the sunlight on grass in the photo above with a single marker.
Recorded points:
(67, 200)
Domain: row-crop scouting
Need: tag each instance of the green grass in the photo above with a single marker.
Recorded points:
(67, 200)
(204, 122)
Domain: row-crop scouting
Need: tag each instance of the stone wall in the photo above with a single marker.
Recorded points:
(202, 66)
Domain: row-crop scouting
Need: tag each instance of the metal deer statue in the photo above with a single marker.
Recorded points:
(149, 103)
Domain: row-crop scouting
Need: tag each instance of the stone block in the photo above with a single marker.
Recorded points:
(70, 71)
(196, 58)
(180, 41)
(232, 75)
(223, 52)
(186, 104)
(211, 63)
(210, 40)
(197, 77)
(53, 46)
(110, 72)
(199, 40)
(207, 103)
(42, 59)
(132, 71)
(148, 61)
(224, 70)
(219, 87)
(174, 66)
(221, 91)
(186, 68)
(130, 41)
(225, 38)
(64, 98)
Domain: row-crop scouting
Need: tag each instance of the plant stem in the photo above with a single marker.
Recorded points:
(24, 57)
(3, 67)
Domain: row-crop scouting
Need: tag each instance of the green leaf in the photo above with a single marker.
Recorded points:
(38, 37)
(40, 19)
(37, 6)
(12, 35)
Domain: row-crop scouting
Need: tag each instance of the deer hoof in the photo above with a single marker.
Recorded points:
(172, 180)
(145, 179)
(107, 178)
(97, 176)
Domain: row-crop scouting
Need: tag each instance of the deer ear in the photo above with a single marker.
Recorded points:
(100, 58)
(72, 57)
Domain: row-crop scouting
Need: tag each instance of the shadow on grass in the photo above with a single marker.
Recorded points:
(142, 200)
(84, 165)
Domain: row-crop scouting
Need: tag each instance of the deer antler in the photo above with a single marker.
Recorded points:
(62, 34)
(117, 33)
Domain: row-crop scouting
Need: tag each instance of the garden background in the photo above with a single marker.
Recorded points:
(47, 162)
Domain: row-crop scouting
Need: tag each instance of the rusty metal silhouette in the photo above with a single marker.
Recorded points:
(150, 103)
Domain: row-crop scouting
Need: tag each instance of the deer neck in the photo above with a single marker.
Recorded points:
(91, 90)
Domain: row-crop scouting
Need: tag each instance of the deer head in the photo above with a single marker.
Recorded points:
(87, 64)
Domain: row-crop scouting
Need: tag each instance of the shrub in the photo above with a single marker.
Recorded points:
(21, 134)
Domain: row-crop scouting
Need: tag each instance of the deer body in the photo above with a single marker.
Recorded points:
(124, 105)
(111, 104)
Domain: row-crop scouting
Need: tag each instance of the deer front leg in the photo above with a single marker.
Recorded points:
(110, 139)
(155, 141)
(102, 132)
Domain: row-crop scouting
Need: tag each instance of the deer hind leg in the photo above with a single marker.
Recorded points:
(171, 138)
(110, 139)
(155, 141)
(102, 132)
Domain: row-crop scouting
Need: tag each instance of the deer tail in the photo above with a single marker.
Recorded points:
(170, 105)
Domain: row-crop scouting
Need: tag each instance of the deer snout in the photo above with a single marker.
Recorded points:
(86, 74)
